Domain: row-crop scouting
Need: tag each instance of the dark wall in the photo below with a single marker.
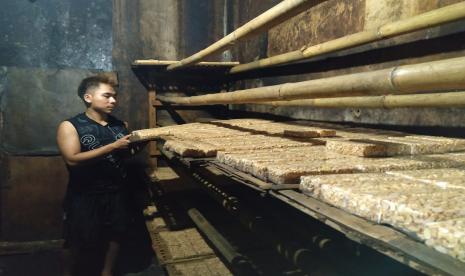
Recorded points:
(196, 25)
(56, 33)
(33, 101)
(127, 47)
(46, 48)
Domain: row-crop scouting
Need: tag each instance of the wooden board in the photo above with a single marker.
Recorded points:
(381, 238)
(30, 247)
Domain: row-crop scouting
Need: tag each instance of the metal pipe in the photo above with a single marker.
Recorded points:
(230, 203)
(296, 253)
(419, 22)
(238, 261)
(434, 76)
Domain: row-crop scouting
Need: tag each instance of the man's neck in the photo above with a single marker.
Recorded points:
(101, 118)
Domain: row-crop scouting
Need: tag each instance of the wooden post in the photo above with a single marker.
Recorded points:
(153, 151)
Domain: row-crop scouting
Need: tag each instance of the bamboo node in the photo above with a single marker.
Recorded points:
(392, 80)
(379, 33)
(279, 91)
(383, 101)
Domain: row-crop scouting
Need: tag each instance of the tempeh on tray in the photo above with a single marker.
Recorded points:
(447, 237)
(414, 183)
(416, 205)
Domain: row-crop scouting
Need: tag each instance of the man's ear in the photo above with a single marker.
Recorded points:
(88, 98)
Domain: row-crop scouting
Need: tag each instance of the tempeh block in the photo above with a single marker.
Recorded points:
(444, 178)
(404, 204)
(362, 148)
(348, 164)
(190, 149)
(447, 237)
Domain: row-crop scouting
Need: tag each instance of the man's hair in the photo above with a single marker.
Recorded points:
(92, 83)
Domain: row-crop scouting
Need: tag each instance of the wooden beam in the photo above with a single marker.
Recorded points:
(13, 248)
(153, 151)
(379, 237)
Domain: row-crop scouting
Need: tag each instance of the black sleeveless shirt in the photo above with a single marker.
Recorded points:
(106, 174)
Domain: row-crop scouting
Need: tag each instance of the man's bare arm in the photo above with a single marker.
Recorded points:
(70, 147)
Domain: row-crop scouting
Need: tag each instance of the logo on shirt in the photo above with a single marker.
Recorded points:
(90, 142)
(88, 139)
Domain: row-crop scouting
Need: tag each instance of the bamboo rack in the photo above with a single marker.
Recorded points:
(449, 99)
(266, 20)
(429, 19)
(435, 76)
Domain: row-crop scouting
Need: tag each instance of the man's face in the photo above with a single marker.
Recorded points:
(102, 98)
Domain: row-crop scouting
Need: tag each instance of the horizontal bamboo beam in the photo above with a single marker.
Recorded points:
(425, 20)
(266, 20)
(449, 99)
(169, 62)
(442, 75)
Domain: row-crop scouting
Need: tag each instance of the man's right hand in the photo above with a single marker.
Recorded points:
(70, 147)
(122, 143)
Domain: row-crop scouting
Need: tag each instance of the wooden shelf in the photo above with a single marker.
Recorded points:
(381, 238)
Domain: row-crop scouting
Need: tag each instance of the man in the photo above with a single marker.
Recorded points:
(93, 145)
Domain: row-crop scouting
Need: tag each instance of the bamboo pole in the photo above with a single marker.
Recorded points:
(169, 62)
(266, 20)
(425, 20)
(442, 75)
(449, 99)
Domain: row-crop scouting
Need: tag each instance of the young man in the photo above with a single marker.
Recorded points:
(93, 145)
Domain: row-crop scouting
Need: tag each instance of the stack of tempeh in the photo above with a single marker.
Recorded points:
(287, 165)
(407, 181)
(252, 145)
(290, 129)
(206, 139)
(378, 146)
(429, 203)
